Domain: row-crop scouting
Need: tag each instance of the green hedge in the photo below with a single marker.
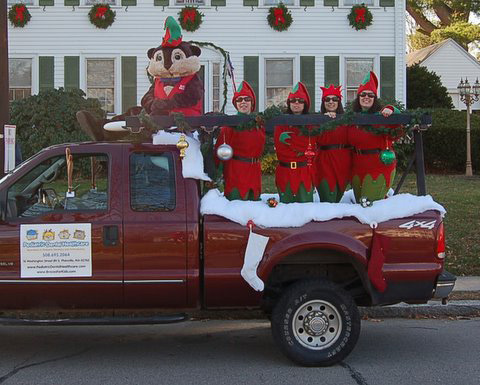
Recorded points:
(49, 118)
(445, 142)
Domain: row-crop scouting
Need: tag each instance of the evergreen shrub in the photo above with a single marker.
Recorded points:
(425, 89)
(49, 118)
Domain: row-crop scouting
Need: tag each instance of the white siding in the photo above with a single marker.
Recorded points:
(316, 31)
(451, 62)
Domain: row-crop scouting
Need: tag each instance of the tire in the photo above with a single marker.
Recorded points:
(316, 323)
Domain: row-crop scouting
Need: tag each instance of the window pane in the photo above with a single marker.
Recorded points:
(152, 182)
(279, 73)
(277, 96)
(356, 70)
(189, 2)
(105, 96)
(275, 2)
(28, 2)
(20, 73)
(43, 189)
(91, 2)
(216, 87)
(100, 73)
(355, 2)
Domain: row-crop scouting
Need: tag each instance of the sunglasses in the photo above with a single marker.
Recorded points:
(296, 100)
(367, 95)
(243, 99)
(331, 99)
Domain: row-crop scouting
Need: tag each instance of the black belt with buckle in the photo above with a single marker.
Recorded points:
(292, 165)
(246, 160)
(336, 147)
(369, 151)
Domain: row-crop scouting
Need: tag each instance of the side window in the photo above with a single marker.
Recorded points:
(44, 189)
(152, 182)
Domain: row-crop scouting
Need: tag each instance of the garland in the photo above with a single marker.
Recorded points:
(259, 118)
(190, 18)
(226, 56)
(101, 16)
(19, 15)
(279, 18)
(360, 17)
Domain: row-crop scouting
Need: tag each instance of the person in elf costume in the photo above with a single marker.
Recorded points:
(334, 159)
(373, 163)
(242, 173)
(295, 172)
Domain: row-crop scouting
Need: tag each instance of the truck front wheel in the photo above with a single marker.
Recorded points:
(316, 323)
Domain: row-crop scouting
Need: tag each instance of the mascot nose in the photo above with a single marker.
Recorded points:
(167, 63)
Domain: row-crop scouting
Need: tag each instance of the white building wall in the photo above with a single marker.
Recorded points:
(316, 31)
(452, 63)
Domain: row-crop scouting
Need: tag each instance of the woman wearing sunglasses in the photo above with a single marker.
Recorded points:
(334, 159)
(373, 163)
(242, 173)
(294, 175)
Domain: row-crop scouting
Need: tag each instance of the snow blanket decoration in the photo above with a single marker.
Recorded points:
(298, 214)
(192, 164)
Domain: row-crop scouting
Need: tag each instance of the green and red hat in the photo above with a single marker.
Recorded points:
(369, 83)
(244, 89)
(300, 91)
(332, 90)
(173, 33)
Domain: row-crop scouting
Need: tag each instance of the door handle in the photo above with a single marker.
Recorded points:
(110, 235)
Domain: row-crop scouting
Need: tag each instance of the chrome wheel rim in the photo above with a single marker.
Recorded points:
(317, 324)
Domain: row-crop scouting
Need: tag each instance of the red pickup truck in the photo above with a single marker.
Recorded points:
(129, 235)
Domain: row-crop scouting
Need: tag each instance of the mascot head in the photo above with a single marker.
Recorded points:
(174, 58)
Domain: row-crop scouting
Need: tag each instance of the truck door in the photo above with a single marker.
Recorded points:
(154, 228)
(58, 251)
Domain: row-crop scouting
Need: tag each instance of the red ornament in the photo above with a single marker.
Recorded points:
(20, 11)
(360, 15)
(310, 154)
(279, 18)
(272, 202)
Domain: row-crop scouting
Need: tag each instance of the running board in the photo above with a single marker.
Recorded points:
(153, 320)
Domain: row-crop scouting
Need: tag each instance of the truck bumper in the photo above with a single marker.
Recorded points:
(445, 284)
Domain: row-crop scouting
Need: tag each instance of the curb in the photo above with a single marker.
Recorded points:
(431, 309)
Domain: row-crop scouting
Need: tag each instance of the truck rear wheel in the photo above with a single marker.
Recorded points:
(316, 323)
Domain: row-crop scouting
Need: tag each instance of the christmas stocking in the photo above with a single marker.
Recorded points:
(253, 255)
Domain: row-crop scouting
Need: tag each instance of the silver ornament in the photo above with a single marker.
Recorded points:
(224, 152)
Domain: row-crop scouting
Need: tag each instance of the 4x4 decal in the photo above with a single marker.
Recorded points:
(422, 224)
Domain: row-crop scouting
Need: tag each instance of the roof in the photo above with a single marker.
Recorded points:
(420, 55)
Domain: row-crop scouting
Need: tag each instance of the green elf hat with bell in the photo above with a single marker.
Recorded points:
(173, 33)
(300, 91)
(369, 83)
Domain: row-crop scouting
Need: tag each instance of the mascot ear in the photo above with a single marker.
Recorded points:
(150, 52)
(195, 50)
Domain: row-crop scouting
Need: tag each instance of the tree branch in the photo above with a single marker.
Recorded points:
(424, 24)
(443, 12)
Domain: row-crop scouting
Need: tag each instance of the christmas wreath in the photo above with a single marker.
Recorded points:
(190, 18)
(101, 16)
(360, 17)
(19, 15)
(279, 18)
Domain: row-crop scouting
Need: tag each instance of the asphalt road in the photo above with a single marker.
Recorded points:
(391, 351)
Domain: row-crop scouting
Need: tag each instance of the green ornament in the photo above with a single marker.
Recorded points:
(387, 157)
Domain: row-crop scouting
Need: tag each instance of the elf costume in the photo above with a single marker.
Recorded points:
(334, 159)
(373, 163)
(242, 173)
(295, 172)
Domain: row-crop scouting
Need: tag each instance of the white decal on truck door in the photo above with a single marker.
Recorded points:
(422, 224)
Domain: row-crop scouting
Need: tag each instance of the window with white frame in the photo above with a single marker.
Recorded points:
(27, 2)
(93, 2)
(101, 82)
(278, 81)
(189, 2)
(276, 2)
(216, 87)
(20, 78)
(356, 69)
(359, 2)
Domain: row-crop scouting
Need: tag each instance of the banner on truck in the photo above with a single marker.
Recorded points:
(56, 250)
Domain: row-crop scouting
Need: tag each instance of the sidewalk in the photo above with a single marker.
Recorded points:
(465, 302)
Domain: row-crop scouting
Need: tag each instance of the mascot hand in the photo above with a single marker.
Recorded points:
(160, 106)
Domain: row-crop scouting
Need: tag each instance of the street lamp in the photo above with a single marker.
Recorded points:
(468, 95)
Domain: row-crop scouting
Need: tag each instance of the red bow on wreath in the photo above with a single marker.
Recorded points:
(101, 12)
(189, 14)
(278, 13)
(20, 13)
(360, 15)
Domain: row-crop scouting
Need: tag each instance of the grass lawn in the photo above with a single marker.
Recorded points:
(461, 198)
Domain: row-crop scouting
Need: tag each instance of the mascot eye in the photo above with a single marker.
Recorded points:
(177, 56)
(158, 58)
